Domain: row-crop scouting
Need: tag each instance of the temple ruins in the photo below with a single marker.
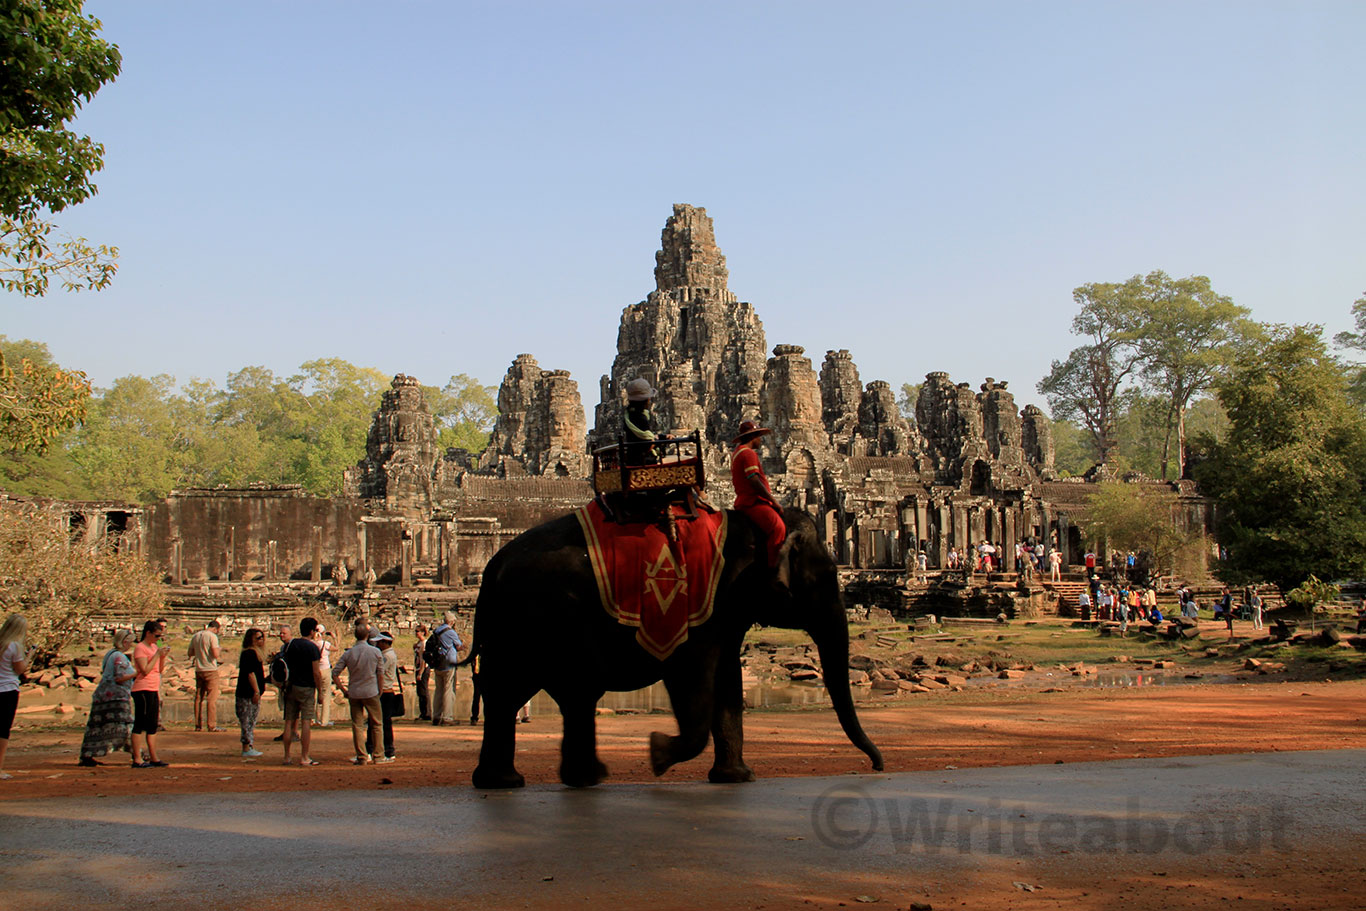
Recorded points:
(970, 467)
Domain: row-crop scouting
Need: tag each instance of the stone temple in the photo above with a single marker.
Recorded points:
(969, 467)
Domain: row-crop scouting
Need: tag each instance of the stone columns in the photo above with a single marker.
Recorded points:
(362, 556)
(272, 549)
(317, 573)
(944, 527)
(405, 548)
(229, 554)
(1009, 542)
(177, 562)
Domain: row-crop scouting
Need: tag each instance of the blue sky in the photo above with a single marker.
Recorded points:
(434, 188)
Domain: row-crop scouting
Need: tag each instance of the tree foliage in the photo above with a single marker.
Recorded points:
(905, 401)
(1136, 517)
(464, 412)
(57, 582)
(1184, 336)
(1084, 387)
(143, 436)
(53, 61)
(1356, 343)
(38, 399)
(1290, 477)
(1172, 335)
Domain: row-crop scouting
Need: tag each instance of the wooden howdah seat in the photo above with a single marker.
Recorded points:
(639, 481)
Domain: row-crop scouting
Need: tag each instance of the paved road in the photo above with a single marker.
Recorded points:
(674, 845)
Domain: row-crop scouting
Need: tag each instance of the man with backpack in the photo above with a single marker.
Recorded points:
(441, 654)
(278, 671)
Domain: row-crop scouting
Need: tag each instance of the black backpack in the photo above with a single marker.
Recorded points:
(432, 654)
(279, 668)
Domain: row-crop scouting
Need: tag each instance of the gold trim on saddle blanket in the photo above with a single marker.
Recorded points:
(659, 572)
(654, 477)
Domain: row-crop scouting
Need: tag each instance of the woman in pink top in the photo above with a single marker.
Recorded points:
(149, 661)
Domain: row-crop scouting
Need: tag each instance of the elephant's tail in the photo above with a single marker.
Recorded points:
(481, 607)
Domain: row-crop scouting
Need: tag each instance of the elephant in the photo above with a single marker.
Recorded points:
(539, 624)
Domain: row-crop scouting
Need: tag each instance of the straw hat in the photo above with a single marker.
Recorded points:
(749, 430)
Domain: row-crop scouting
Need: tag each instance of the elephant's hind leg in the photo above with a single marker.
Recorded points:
(692, 706)
(501, 702)
(496, 769)
(579, 763)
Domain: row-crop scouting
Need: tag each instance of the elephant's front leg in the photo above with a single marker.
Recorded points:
(728, 726)
(691, 692)
(579, 763)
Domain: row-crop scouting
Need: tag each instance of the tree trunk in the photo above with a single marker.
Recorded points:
(1180, 443)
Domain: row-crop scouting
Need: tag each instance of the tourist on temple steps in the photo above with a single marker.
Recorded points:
(752, 494)
(637, 423)
(13, 666)
(110, 725)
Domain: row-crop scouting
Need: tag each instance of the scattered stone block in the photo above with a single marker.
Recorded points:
(1010, 674)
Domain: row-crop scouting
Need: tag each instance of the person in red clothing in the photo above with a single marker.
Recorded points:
(752, 494)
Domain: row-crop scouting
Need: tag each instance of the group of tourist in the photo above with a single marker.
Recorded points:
(1123, 602)
(125, 709)
(1030, 558)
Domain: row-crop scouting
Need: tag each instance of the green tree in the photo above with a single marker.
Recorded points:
(464, 412)
(1174, 335)
(129, 447)
(905, 402)
(1072, 452)
(1289, 477)
(39, 401)
(1356, 342)
(328, 420)
(1085, 387)
(53, 61)
(1184, 335)
(1136, 517)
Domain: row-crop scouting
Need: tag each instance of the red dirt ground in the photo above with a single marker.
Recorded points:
(1007, 726)
(1015, 726)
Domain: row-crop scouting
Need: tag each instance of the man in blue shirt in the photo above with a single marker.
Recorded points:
(443, 692)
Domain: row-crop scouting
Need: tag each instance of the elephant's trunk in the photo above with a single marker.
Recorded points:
(833, 646)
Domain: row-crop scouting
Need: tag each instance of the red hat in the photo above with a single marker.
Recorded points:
(748, 431)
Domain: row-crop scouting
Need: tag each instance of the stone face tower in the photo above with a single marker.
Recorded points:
(540, 426)
(399, 451)
(701, 348)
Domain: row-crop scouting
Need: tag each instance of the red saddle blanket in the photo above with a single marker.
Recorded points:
(662, 587)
